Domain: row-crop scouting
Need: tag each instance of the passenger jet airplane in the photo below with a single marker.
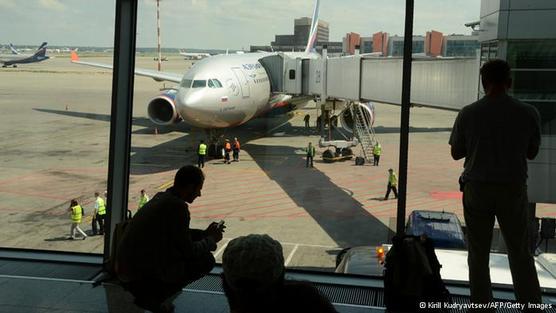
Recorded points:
(221, 91)
(17, 58)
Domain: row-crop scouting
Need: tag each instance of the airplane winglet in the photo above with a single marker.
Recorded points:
(74, 56)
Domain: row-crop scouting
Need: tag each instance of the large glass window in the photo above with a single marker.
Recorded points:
(55, 122)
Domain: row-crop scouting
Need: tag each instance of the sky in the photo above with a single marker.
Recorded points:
(219, 24)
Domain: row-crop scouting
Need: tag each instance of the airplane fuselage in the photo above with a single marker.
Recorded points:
(225, 91)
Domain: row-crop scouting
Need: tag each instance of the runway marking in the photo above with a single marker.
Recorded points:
(288, 260)
(273, 129)
(165, 185)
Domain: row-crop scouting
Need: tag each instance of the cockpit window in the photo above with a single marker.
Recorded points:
(199, 84)
(216, 83)
(186, 83)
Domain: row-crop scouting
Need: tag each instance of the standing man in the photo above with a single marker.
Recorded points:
(227, 150)
(99, 213)
(201, 153)
(392, 184)
(310, 154)
(306, 120)
(377, 151)
(158, 253)
(76, 215)
(143, 199)
(496, 135)
(235, 147)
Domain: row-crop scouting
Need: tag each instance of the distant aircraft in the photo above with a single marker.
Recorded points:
(15, 51)
(194, 55)
(221, 91)
(17, 58)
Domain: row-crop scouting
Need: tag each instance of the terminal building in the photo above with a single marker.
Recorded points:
(298, 41)
(433, 44)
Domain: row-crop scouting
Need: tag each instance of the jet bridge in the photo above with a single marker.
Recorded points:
(448, 83)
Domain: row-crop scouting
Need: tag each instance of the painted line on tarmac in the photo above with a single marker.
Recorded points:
(165, 185)
(221, 249)
(288, 260)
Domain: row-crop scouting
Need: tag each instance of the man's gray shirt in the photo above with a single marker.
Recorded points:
(496, 132)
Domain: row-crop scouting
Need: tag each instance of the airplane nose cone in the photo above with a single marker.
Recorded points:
(192, 109)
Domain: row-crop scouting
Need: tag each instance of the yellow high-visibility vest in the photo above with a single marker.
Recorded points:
(76, 213)
(142, 200)
(202, 150)
(377, 150)
(101, 206)
(393, 179)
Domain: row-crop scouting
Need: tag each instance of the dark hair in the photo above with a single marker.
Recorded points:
(97, 194)
(495, 72)
(73, 202)
(188, 175)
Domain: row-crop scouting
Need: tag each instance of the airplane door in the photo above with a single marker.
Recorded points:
(243, 83)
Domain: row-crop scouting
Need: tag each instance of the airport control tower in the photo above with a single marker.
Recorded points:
(523, 33)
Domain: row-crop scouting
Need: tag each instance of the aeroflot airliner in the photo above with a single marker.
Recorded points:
(221, 91)
(217, 92)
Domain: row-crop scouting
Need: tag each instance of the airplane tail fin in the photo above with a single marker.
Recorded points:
(40, 53)
(43, 45)
(13, 49)
(314, 26)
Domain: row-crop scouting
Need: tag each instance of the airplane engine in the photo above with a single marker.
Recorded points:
(346, 119)
(162, 109)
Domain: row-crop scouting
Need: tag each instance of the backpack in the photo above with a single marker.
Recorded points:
(412, 275)
(110, 265)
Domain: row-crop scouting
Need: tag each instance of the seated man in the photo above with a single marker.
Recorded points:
(158, 254)
(253, 280)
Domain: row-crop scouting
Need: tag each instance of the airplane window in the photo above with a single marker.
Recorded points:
(217, 83)
(199, 84)
(211, 84)
(186, 83)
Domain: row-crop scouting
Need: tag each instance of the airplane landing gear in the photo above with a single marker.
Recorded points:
(215, 145)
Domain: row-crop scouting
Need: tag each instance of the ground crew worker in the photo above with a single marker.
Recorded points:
(99, 213)
(306, 119)
(392, 184)
(227, 150)
(201, 153)
(76, 216)
(310, 154)
(235, 147)
(144, 198)
(377, 151)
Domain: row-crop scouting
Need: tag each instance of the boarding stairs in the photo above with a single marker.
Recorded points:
(364, 132)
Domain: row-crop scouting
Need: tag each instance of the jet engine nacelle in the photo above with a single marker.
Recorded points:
(162, 109)
(346, 120)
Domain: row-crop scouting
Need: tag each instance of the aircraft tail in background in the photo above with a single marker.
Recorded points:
(314, 27)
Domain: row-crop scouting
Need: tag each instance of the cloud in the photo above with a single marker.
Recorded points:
(52, 5)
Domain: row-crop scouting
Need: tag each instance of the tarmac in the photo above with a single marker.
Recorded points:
(55, 126)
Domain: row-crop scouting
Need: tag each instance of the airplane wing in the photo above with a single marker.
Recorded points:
(156, 75)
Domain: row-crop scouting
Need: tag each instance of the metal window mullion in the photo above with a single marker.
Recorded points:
(404, 123)
(121, 116)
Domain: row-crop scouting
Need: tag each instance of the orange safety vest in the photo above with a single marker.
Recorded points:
(236, 145)
(228, 147)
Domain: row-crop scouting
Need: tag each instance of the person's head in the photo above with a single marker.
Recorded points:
(310, 143)
(73, 202)
(390, 171)
(142, 192)
(202, 141)
(235, 138)
(188, 182)
(495, 76)
(253, 263)
(97, 194)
